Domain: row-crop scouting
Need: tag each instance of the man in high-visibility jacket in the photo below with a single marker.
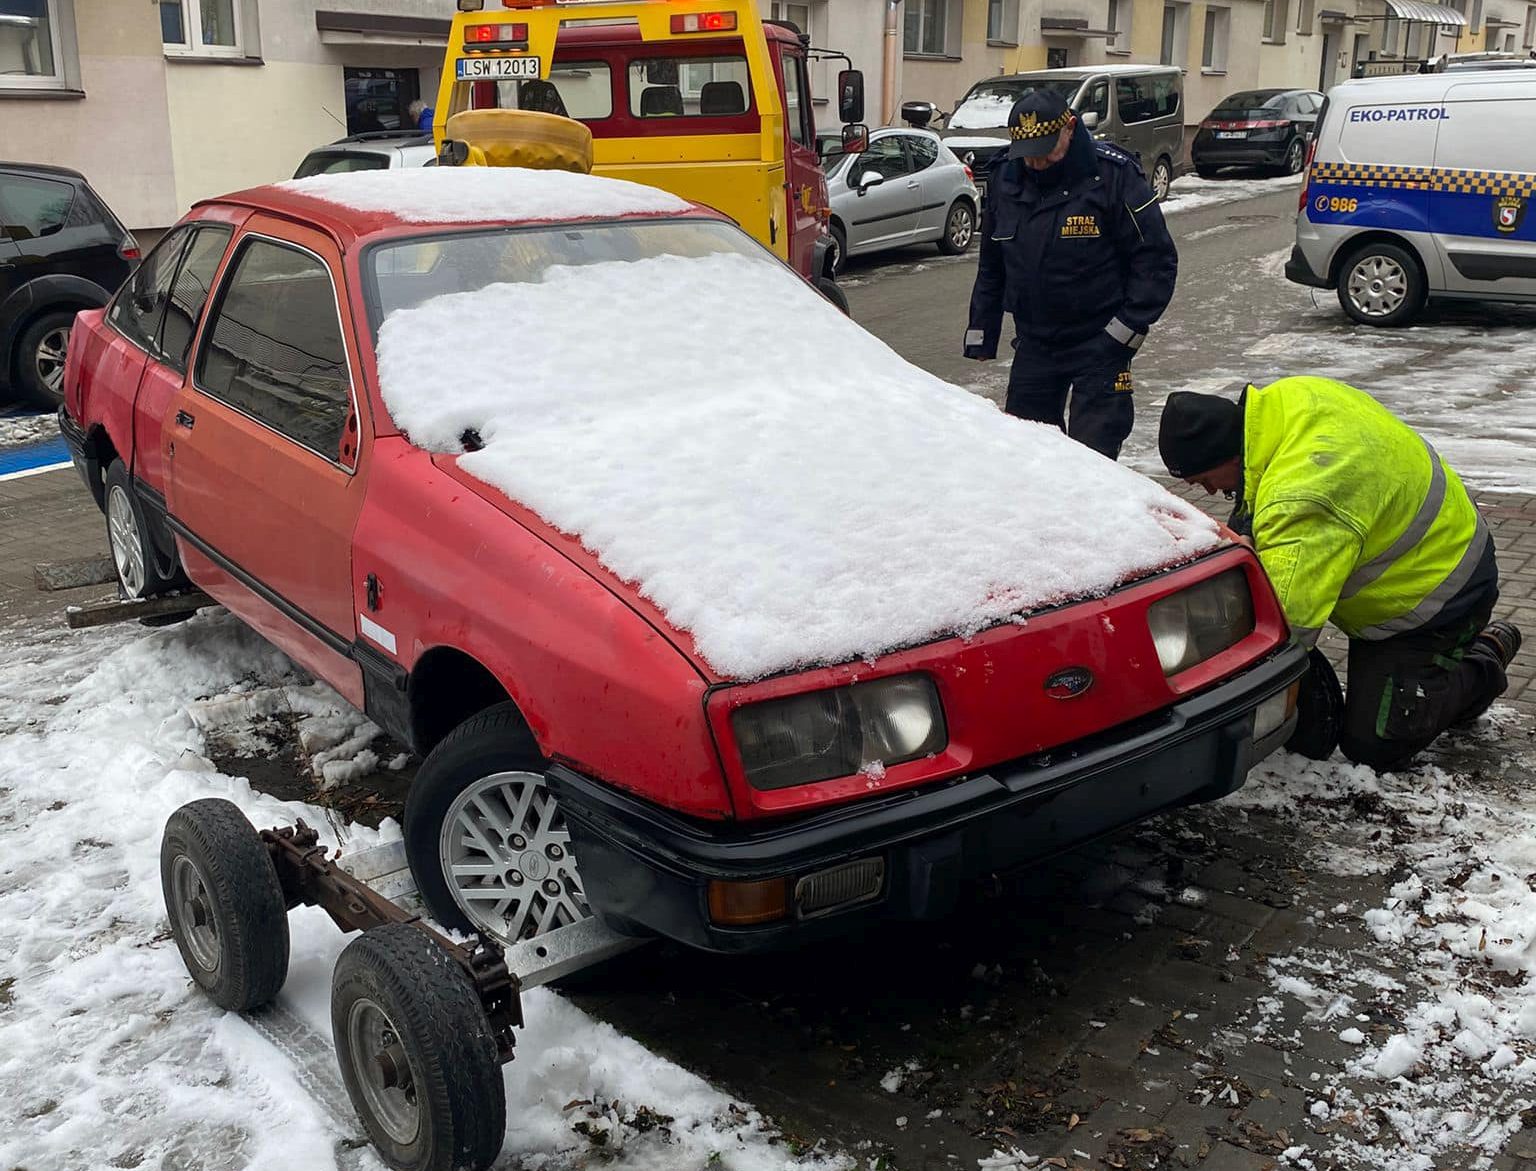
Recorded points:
(1360, 523)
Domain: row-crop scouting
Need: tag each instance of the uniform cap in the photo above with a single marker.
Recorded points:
(1199, 432)
(1035, 122)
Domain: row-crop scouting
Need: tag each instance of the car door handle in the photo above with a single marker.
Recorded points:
(913, 185)
(183, 419)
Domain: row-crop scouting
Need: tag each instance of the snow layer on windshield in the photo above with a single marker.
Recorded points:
(780, 483)
(484, 194)
(982, 112)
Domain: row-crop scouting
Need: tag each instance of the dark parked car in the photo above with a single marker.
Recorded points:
(61, 251)
(1257, 128)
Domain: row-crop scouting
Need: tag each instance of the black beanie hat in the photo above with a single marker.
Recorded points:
(1198, 432)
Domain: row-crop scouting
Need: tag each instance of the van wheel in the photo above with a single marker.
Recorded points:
(959, 229)
(485, 839)
(839, 256)
(141, 569)
(1381, 285)
(40, 358)
(1162, 178)
(1295, 157)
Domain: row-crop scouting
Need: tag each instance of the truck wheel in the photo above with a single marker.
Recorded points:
(40, 358)
(226, 906)
(416, 1053)
(959, 229)
(141, 568)
(839, 248)
(1162, 178)
(1381, 285)
(827, 287)
(486, 842)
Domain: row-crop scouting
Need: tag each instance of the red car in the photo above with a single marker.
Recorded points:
(707, 613)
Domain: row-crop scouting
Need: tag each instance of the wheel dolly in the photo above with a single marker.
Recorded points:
(422, 1023)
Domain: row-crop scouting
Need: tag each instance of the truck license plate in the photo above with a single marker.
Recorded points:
(495, 68)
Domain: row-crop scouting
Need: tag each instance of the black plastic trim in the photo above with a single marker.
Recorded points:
(1480, 266)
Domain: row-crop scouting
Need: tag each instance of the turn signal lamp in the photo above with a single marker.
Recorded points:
(704, 22)
(741, 904)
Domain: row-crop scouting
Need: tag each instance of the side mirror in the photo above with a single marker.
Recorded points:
(918, 114)
(869, 179)
(1090, 119)
(850, 95)
(855, 138)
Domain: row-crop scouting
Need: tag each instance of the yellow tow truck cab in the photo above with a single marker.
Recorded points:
(698, 97)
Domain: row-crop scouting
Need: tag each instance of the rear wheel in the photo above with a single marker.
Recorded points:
(40, 358)
(1295, 156)
(959, 229)
(1162, 178)
(1381, 284)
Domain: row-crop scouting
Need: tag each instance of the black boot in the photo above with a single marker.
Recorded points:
(1493, 649)
(1503, 638)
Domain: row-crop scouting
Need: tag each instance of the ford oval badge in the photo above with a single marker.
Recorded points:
(1069, 682)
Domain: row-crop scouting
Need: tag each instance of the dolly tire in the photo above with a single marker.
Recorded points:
(226, 906)
(827, 287)
(417, 1054)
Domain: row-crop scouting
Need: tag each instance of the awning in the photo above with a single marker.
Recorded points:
(1072, 26)
(1419, 12)
(374, 28)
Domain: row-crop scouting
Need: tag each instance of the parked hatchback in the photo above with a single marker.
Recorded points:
(376, 150)
(1257, 128)
(1139, 108)
(61, 250)
(906, 188)
(773, 663)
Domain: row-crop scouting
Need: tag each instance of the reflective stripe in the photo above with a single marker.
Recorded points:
(975, 337)
(1434, 497)
(1143, 207)
(1426, 610)
(1124, 334)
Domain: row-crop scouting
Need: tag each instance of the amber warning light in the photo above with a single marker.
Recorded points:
(704, 22)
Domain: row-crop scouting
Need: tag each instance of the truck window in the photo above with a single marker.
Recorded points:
(797, 105)
(689, 87)
(581, 90)
(273, 349)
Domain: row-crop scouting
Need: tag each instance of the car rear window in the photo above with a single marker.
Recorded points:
(336, 162)
(1251, 102)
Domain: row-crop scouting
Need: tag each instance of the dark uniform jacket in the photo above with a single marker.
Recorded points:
(1089, 255)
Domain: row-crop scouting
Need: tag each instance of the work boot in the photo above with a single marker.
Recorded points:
(1498, 643)
(1502, 638)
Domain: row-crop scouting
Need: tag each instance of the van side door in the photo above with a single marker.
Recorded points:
(1480, 206)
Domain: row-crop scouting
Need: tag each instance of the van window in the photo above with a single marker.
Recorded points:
(1097, 101)
(1508, 150)
(1143, 98)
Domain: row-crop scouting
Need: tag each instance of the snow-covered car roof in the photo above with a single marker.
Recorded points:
(778, 482)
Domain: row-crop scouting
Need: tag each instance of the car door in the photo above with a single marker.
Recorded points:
(936, 184)
(884, 215)
(262, 448)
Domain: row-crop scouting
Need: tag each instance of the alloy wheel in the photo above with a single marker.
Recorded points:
(123, 535)
(1377, 285)
(1162, 180)
(1293, 157)
(49, 358)
(960, 228)
(506, 853)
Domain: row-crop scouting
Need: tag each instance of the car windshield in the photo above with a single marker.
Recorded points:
(407, 273)
(1252, 103)
(986, 107)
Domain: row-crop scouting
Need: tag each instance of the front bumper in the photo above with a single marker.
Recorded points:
(645, 869)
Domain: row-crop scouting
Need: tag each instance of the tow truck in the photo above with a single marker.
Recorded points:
(701, 98)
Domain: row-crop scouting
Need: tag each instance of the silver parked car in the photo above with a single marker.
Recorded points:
(907, 188)
(377, 150)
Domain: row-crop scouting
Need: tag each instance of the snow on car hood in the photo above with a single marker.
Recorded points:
(485, 194)
(778, 482)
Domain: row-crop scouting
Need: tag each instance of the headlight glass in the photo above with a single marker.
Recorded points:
(1196, 623)
(838, 732)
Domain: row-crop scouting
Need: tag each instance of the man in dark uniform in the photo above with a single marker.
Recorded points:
(1074, 246)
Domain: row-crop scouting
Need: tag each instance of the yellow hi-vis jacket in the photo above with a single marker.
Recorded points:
(1355, 517)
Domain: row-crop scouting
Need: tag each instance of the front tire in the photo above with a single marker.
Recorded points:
(486, 842)
(40, 358)
(142, 570)
(416, 1052)
(827, 287)
(959, 229)
(225, 904)
(839, 248)
(1381, 284)
(1162, 178)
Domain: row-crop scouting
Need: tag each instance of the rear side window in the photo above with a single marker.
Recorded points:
(925, 151)
(139, 306)
(1143, 98)
(273, 348)
(334, 164)
(189, 292)
(678, 87)
(33, 208)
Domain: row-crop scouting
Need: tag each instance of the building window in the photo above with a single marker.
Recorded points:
(1475, 21)
(1306, 16)
(1003, 21)
(1530, 28)
(1218, 26)
(1175, 47)
(30, 56)
(1415, 47)
(927, 27)
(1275, 13)
(1391, 35)
(201, 28)
(379, 99)
(1118, 21)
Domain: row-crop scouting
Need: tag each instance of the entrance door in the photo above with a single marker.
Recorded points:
(380, 99)
(1329, 66)
(262, 447)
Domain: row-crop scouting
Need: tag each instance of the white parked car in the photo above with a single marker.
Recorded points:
(377, 150)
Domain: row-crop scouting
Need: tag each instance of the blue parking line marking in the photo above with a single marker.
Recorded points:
(34, 458)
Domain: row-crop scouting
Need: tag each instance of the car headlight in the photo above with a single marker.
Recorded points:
(1192, 625)
(839, 732)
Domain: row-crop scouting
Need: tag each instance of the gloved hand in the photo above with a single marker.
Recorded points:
(979, 347)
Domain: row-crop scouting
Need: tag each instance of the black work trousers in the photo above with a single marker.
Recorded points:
(1097, 375)
(1405, 690)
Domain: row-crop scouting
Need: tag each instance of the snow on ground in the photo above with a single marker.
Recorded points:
(110, 1057)
(858, 506)
(1190, 191)
(21, 430)
(1438, 1000)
